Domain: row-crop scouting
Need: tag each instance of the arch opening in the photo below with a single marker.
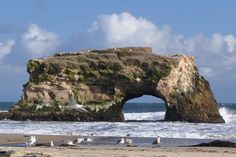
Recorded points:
(146, 108)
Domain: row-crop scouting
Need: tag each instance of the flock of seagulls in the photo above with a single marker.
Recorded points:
(123, 141)
(33, 142)
(129, 142)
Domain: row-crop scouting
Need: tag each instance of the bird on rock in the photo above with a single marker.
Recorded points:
(72, 105)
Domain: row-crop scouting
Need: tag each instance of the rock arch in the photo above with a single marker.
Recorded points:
(103, 80)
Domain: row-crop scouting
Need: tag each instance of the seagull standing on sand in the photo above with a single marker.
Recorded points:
(121, 141)
(72, 105)
(128, 141)
(67, 143)
(157, 140)
(51, 144)
(88, 139)
(31, 142)
(78, 140)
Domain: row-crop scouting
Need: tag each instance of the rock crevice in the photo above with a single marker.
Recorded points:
(103, 80)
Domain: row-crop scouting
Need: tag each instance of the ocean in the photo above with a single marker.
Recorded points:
(143, 120)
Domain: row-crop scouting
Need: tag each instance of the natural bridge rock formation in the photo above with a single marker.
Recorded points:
(103, 80)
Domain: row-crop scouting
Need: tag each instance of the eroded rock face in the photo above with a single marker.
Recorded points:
(103, 80)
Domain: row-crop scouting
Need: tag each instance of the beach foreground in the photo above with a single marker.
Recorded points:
(16, 142)
(124, 151)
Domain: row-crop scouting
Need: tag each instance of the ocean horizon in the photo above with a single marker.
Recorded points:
(142, 120)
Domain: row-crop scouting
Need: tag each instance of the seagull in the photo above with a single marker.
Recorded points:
(51, 144)
(31, 142)
(79, 140)
(88, 139)
(121, 141)
(72, 105)
(38, 107)
(157, 140)
(67, 143)
(128, 141)
(61, 107)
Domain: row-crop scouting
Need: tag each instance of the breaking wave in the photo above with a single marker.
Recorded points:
(146, 124)
(228, 114)
(145, 116)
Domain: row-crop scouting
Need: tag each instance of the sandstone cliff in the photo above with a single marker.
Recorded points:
(103, 80)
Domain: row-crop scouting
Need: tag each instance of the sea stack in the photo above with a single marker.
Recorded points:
(103, 80)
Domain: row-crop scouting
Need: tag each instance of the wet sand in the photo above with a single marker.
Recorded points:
(104, 146)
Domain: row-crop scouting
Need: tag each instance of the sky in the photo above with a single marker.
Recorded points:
(39, 28)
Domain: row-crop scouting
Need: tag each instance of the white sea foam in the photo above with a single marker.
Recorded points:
(228, 115)
(140, 129)
(145, 116)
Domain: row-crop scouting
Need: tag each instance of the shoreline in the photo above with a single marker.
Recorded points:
(19, 140)
(106, 146)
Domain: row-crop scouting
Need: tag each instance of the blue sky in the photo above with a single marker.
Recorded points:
(39, 28)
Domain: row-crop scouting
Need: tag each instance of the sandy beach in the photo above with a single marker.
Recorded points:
(125, 151)
(16, 143)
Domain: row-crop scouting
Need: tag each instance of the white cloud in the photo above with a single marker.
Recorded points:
(231, 42)
(216, 52)
(126, 30)
(123, 27)
(216, 43)
(39, 41)
(6, 47)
